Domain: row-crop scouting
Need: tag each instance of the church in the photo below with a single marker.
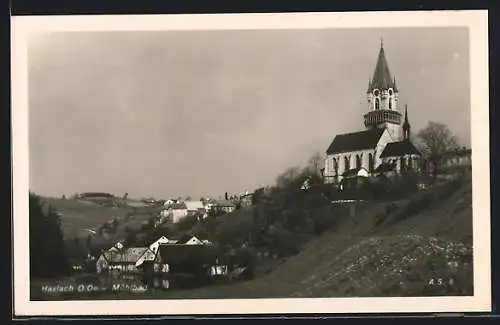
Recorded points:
(384, 146)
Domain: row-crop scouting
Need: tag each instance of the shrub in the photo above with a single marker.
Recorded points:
(379, 219)
(282, 241)
(187, 222)
(390, 208)
(323, 220)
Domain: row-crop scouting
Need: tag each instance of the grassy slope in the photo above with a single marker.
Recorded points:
(77, 215)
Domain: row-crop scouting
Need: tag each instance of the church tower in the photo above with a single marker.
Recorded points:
(382, 98)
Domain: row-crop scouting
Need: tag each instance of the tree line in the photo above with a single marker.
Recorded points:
(48, 256)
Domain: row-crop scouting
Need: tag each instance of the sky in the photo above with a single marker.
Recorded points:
(200, 113)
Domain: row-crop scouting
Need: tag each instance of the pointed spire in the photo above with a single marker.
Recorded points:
(369, 90)
(394, 87)
(406, 125)
(382, 76)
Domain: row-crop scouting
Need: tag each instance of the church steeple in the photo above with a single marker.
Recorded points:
(382, 98)
(382, 78)
(406, 125)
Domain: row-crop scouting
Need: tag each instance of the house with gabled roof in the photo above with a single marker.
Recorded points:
(225, 206)
(123, 260)
(189, 239)
(386, 136)
(160, 241)
(177, 211)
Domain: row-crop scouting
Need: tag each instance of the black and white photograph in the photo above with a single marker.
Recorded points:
(248, 163)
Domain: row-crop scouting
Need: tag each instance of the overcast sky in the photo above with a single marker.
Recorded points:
(203, 112)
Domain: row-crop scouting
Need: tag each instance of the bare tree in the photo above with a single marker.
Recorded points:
(435, 140)
(316, 162)
(288, 177)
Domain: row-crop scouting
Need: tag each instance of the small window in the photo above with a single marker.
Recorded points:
(390, 103)
(377, 103)
(390, 92)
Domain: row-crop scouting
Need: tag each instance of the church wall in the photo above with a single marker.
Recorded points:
(340, 158)
(395, 131)
(383, 141)
(415, 162)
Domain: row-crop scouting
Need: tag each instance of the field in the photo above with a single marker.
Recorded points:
(80, 216)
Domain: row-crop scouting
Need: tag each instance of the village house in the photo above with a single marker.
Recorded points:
(459, 158)
(385, 140)
(195, 208)
(169, 202)
(123, 260)
(208, 205)
(155, 263)
(160, 241)
(147, 259)
(176, 212)
(246, 199)
(188, 239)
(194, 258)
(225, 206)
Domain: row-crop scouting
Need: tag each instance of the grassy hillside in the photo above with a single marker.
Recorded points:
(78, 215)
(421, 246)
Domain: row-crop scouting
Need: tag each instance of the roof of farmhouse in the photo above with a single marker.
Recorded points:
(125, 255)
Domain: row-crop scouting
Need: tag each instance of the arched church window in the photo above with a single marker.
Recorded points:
(358, 161)
(377, 103)
(390, 103)
(346, 163)
(371, 164)
(335, 166)
(402, 164)
(410, 162)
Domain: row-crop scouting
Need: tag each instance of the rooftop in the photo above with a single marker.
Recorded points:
(125, 255)
(355, 141)
(398, 149)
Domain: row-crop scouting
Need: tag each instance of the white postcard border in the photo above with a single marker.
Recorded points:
(476, 21)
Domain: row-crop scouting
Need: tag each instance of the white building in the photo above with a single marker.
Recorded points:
(194, 206)
(160, 241)
(385, 141)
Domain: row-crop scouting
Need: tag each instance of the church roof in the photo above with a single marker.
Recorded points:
(355, 141)
(382, 76)
(401, 148)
